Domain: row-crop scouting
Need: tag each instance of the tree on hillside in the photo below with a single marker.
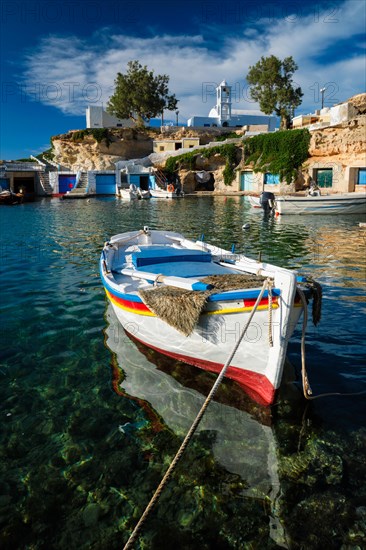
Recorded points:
(272, 87)
(140, 95)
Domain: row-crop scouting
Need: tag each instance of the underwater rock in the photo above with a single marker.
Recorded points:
(313, 519)
(316, 463)
(91, 514)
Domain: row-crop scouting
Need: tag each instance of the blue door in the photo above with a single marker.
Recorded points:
(361, 180)
(247, 181)
(66, 182)
(324, 177)
(135, 179)
(271, 179)
(105, 184)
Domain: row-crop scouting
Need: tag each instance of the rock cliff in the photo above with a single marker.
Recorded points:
(345, 143)
(80, 150)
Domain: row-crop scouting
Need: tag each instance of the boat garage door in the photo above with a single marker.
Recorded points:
(247, 181)
(4, 184)
(26, 184)
(324, 177)
(105, 184)
(66, 182)
(361, 180)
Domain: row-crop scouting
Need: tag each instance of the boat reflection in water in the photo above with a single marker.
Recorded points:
(243, 440)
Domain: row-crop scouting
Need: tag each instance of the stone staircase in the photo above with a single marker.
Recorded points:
(44, 179)
(81, 189)
(160, 179)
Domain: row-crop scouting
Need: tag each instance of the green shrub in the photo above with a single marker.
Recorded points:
(229, 135)
(98, 134)
(280, 153)
(188, 160)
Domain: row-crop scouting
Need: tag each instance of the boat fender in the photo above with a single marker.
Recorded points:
(170, 188)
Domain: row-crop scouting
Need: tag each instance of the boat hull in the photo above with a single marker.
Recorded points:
(163, 194)
(348, 203)
(257, 364)
(212, 341)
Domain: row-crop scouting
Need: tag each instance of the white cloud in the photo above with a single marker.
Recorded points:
(83, 71)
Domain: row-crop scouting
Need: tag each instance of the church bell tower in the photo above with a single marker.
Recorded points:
(223, 103)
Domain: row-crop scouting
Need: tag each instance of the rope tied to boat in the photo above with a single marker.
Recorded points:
(270, 309)
(197, 420)
(307, 391)
(159, 279)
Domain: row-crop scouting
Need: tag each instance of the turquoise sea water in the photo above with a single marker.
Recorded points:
(90, 421)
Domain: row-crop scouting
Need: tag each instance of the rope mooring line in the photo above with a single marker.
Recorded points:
(307, 391)
(270, 308)
(267, 283)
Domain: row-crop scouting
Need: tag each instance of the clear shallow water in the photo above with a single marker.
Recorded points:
(90, 422)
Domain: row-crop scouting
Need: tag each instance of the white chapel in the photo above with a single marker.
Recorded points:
(223, 115)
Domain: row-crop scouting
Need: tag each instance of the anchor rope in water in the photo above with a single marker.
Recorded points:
(308, 393)
(267, 284)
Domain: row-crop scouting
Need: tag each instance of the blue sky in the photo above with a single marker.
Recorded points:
(58, 56)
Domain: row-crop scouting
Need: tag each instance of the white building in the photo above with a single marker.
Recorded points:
(223, 115)
(97, 117)
(328, 116)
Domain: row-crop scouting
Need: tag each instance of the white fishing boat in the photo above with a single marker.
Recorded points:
(129, 193)
(191, 301)
(169, 193)
(345, 203)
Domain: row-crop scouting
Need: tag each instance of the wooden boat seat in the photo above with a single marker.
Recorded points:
(165, 255)
(186, 269)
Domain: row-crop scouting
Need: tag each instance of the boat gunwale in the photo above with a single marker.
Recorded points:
(230, 295)
(321, 198)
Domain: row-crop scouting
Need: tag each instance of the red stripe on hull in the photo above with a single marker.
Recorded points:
(137, 306)
(141, 307)
(257, 386)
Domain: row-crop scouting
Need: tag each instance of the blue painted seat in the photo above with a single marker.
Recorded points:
(165, 255)
(186, 269)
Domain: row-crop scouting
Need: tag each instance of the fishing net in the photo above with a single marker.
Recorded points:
(181, 308)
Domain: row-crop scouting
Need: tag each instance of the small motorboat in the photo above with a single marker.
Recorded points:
(317, 203)
(129, 193)
(170, 192)
(190, 300)
(8, 197)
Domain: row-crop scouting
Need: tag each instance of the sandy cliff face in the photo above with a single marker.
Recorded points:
(89, 154)
(344, 144)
